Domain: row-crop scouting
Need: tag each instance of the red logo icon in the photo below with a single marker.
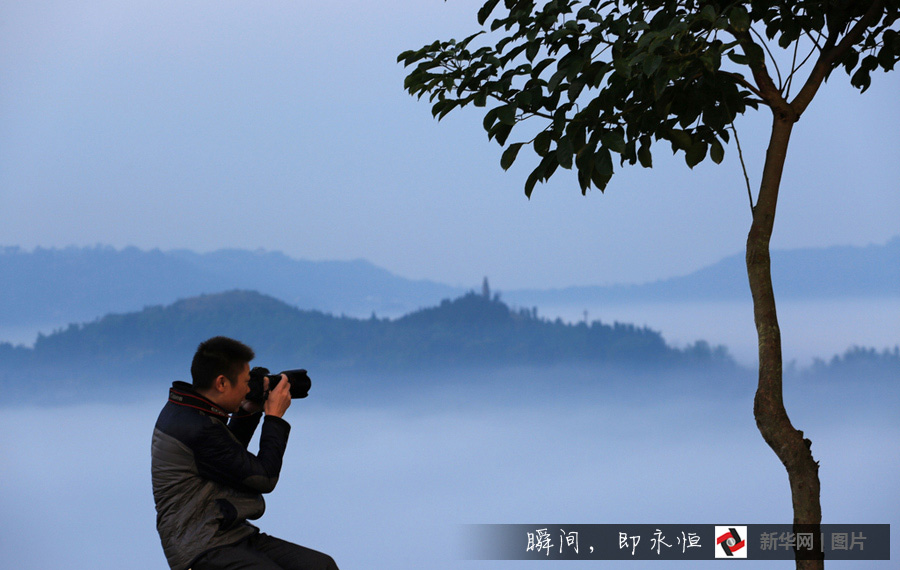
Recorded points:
(730, 542)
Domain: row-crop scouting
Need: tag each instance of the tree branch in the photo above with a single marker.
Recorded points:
(796, 68)
(830, 55)
(766, 88)
(743, 166)
(772, 57)
(740, 79)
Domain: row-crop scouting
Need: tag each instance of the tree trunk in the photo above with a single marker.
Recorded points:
(772, 420)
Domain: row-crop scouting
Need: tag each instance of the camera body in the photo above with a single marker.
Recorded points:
(299, 379)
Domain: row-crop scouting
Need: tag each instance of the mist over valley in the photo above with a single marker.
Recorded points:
(467, 409)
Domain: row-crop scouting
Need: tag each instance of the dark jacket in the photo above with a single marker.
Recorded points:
(205, 483)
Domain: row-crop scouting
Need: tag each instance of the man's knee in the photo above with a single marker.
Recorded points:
(292, 556)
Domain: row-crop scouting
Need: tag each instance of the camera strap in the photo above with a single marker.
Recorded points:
(183, 394)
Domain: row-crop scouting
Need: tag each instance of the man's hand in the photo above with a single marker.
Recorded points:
(254, 407)
(279, 398)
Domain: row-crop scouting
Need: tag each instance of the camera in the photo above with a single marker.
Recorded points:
(299, 379)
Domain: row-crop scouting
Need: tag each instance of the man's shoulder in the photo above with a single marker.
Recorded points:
(184, 422)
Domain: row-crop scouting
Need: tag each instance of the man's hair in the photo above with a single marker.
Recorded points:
(219, 355)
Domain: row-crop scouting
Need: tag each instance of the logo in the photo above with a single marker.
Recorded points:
(730, 542)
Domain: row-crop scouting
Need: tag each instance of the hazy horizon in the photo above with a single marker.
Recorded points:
(673, 272)
(382, 484)
(810, 328)
(153, 124)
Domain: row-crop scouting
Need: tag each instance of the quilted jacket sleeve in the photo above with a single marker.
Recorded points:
(222, 457)
(242, 425)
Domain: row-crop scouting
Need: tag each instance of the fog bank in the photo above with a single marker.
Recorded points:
(384, 486)
(809, 328)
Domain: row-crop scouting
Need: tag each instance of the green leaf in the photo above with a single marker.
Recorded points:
(509, 155)
(603, 169)
(886, 58)
(531, 181)
(738, 58)
(651, 64)
(564, 152)
(614, 141)
(716, 151)
(524, 99)
(789, 35)
(507, 114)
(585, 13)
(532, 49)
(644, 156)
(739, 19)
(553, 83)
(537, 69)
(548, 166)
(850, 60)
(485, 11)
(861, 79)
(660, 80)
(551, 100)
(500, 132)
(542, 143)
(681, 140)
(489, 119)
(451, 104)
(575, 89)
(584, 162)
(755, 52)
(438, 107)
(695, 154)
(584, 180)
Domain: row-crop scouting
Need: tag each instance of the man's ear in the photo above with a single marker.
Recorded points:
(221, 383)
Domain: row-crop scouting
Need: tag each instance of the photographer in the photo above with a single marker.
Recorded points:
(206, 484)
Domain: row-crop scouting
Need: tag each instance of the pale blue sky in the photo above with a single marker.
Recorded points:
(284, 125)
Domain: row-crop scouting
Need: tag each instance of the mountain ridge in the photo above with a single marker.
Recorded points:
(805, 273)
(469, 331)
(126, 354)
(50, 288)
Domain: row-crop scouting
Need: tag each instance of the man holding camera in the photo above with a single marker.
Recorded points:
(206, 484)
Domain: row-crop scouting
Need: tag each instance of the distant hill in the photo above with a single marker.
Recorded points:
(49, 288)
(130, 355)
(469, 331)
(60, 286)
(815, 273)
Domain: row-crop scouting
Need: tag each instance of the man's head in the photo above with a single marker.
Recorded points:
(221, 371)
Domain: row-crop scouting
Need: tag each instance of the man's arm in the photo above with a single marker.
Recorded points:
(223, 457)
(244, 422)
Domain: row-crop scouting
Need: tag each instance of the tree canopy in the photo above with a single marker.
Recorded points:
(601, 80)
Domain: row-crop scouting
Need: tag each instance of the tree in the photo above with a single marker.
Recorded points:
(586, 82)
